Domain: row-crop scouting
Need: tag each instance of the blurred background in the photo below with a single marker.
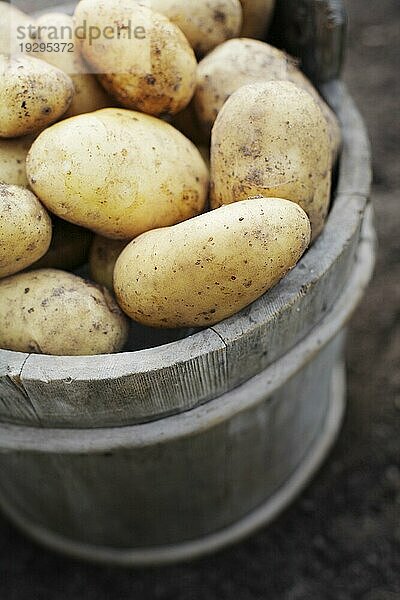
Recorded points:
(341, 539)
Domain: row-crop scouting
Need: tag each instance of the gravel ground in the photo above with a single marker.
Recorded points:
(341, 540)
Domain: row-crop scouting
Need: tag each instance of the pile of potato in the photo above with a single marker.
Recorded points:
(190, 167)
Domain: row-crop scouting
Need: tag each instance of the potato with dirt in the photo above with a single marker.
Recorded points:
(89, 94)
(271, 139)
(202, 271)
(147, 64)
(241, 62)
(52, 312)
(205, 23)
(25, 229)
(33, 95)
(118, 173)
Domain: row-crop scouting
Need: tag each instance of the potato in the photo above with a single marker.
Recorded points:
(89, 94)
(25, 229)
(118, 173)
(210, 267)
(205, 23)
(150, 67)
(271, 139)
(103, 256)
(53, 312)
(11, 18)
(243, 61)
(13, 153)
(69, 248)
(257, 15)
(33, 95)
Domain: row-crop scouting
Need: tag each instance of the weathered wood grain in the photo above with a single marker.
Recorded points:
(214, 541)
(355, 163)
(173, 491)
(126, 388)
(13, 398)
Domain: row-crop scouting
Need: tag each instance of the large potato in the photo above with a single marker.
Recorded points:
(13, 153)
(103, 256)
(257, 15)
(118, 173)
(205, 23)
(150, 66)
(12, 22)
(53, 312)
(272, 139)
(208, 268)
(243, 61)
(89, 94)
(33, 95)
(69, 248)
(25, 229)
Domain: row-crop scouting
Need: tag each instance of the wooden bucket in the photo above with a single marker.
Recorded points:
(173, 451)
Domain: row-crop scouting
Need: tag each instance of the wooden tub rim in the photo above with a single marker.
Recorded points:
(252, 392)
(261, 516)
(354, 182)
